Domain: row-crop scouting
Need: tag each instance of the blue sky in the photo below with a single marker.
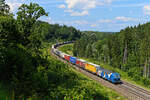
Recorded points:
(94, 15)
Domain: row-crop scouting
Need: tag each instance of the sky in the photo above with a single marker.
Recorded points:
(92, 15)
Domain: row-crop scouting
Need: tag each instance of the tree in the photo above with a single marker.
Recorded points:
(27, 17)
(4, 8)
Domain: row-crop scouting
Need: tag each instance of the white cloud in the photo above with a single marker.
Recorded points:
(47, 19)
(81, 4)
(146, 9)
(76, 13)
(85, 12)
(62, 6)
(80, 7)
(13, 5)
(119, 19)
(125, 19)
(84, 6)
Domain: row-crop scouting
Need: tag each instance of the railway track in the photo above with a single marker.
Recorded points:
(130, 91)
(140, 93)
(137, 88)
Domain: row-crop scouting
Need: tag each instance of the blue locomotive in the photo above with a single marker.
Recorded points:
(109, 75)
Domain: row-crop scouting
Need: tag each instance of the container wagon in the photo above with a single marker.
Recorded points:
(90, 67)
(81, 63)
(73, 60)
(67, 57)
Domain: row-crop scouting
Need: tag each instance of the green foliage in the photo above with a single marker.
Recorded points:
(57, 33)
(31, 73)
(4, 94)
(19, 64)
(67, 49)
(27, 68)
(4, 8)
(8, 31)
(28, 14)
(26, 19)
(128, 50)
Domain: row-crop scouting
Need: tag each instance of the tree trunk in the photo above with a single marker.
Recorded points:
(148, 68)
(125, 55)
(145, 69)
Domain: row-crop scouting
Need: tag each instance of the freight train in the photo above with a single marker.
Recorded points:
(88, 66)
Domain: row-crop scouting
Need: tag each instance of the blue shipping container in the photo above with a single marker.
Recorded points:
(73, 60)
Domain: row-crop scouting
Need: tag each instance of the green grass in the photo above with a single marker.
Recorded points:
(67, 49)
(124, 75)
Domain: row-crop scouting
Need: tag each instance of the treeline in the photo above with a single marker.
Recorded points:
(64, 33)
(128, 50)
(86, 45)
(55, 32)
(23, 61)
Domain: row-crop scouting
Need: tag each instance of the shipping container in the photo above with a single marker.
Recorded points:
(73, 60)
(67, 57)
(81, 63)
(90, 67)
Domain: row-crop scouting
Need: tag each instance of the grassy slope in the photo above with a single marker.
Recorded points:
(90, 84)
(124, 75)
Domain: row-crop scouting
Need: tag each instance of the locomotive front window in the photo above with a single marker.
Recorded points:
(117, 76)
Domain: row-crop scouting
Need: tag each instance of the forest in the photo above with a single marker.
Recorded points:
(27, 69)
(127, 51)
